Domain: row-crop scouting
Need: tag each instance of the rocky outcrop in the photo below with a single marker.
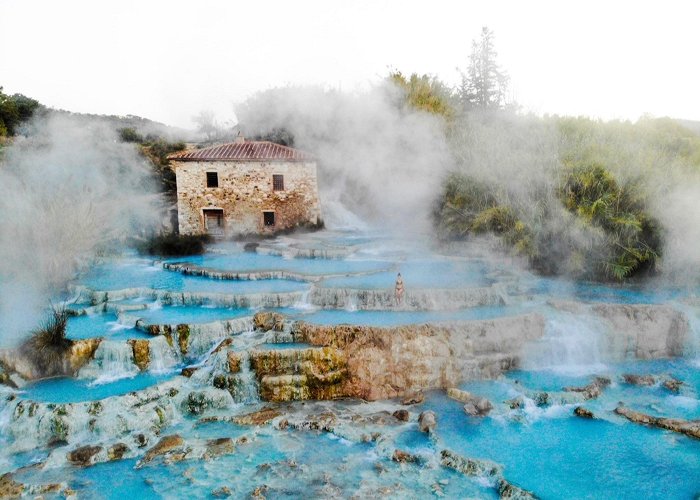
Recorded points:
(141, 349)
(634, 379)
(427, 421)
(403, 457)
(592, 390)
(582, 412)
(413, 398)
(688, 427)
(218, 447)
(260, 417)
(643, 331)
(80, 353)
(474, 406)
(298, 374)
(83, 456)
(166, 445)
(384, 363)
(10, 488)
(233, 361)
(401, 415)
(470, 466)
(117, 451)
(673, 384)
(509, 491)
(67, 361)
(267, 321)
(488, 470)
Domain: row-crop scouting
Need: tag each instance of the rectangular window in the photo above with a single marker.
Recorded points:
(269, 218)
(277, 182)
(212, 179)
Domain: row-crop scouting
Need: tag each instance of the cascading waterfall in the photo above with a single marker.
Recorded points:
(246, 384)
(692, 343)
(572, 344)
(163, 357)
(351, 305)
(112, 361)
(304, 304)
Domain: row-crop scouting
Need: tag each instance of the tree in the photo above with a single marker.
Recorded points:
(14, 110)
(485, 84)
(424, 92)
(206, 124)
(211, 128)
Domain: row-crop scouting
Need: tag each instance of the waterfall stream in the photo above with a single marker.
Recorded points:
(572, 344)
(162, 355)
(112, 361)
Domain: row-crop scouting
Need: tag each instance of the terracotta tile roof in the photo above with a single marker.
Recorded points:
(248, 150)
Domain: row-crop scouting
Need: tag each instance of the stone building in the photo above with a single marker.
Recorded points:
(245, 187)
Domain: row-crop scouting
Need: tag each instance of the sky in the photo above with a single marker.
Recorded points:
(170, 60)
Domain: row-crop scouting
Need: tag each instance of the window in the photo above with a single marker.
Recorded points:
(212, 179)
(269, 218)
(277, 182)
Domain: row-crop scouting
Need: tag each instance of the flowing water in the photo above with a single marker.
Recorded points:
(338, 278)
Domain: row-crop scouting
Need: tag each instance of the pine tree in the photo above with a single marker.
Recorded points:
(484, 85)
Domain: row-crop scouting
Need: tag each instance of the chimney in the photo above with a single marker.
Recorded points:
(239, 138)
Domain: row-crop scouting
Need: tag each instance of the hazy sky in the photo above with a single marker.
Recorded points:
(168, 60)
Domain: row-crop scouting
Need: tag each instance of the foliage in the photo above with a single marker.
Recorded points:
(129, 134)
(424, 93)
(156, 150)
(632, 236)
(15, 109)
(174, 245)
(619, 237)
(160, 148)
(48, 344)
(211, 128)
(278, 135)
(471, 207)
(484, 85)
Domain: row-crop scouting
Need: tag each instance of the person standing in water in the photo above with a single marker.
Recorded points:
(398, 290)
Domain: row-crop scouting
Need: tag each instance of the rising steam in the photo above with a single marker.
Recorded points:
(382, 165)
(67, 192)
(377, 161)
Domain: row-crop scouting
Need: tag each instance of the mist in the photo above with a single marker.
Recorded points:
(69, 192)
(380, 165)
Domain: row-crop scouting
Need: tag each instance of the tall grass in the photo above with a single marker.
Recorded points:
(47, 345)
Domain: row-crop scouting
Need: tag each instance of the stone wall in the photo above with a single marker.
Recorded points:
(244, 192)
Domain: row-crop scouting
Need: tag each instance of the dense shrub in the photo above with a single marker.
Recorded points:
(278, 135)
(632, 236)
(15, 109)
(174, 245)
(469, 206)
(610, 235)
(129, 134)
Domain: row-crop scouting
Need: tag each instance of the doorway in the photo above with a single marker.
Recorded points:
(214, 221)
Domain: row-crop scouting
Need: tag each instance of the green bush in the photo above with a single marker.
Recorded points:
(174, 245)
(469, 206)
(129, 134)
(608, 236)
(15, 109)
(633, 238)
